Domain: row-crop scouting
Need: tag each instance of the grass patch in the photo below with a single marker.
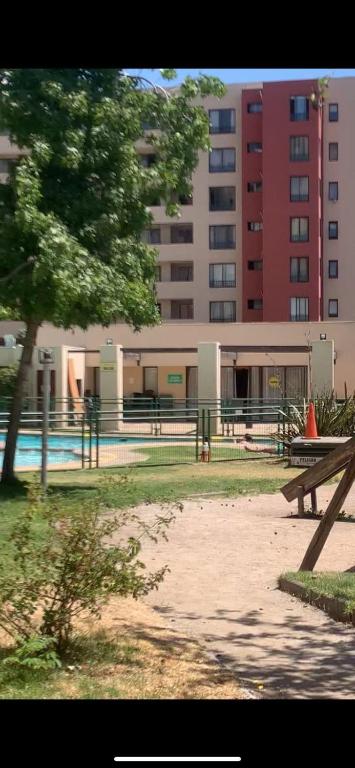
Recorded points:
(187, 453)
(337, 585)
(153, 484)
(129, 658)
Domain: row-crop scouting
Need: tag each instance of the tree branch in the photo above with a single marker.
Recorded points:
(18, 269)
(155, 87)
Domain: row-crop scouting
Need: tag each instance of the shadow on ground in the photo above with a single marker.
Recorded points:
(307, 665)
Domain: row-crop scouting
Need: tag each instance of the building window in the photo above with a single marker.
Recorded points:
(333, 307)
(299, 148)
(254, 146)
(333, 191)
(222, 236)
(299, 189)
(254, 186)
(181, 233)
(159, 308)
(222, 275)
(255, 226)
(182, 309)
(151, 236)
(333, 268)
(158, 274)
(148, 160)
(333, 113)
(255, 303)
(222, 120)
(298, 309)
(299, 269)
(222, 160)
(254, 107)
(333, 230)
(222, 312)
(255, 265)
(181, 272)
(299, 108)
(333, 150)
(222, 198)
(299, 229)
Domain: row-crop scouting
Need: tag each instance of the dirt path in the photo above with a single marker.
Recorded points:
(225, 556)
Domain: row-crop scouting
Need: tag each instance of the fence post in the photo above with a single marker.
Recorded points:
(83, 418)
(97, 430)
(196, 443)
(90, 439)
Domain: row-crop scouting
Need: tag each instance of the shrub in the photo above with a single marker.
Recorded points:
(7, 380)
(67, 564)
(334, 419)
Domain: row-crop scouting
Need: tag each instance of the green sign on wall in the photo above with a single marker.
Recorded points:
(174, 378)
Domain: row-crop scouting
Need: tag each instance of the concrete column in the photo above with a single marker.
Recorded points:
(61, 384)
(111, 384)
(322, 367)
(209, 379)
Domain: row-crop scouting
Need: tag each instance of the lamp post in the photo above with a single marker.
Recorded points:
(45, 358)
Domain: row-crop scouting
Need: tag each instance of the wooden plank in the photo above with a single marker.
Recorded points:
(300, 501)
(319, 473)
(314, 500)
(326, 524)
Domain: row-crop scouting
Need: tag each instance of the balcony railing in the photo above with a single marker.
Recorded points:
(222, 283)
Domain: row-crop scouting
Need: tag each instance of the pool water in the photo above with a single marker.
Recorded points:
(62, 448)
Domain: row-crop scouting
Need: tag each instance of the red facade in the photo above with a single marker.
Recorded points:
(273, 127)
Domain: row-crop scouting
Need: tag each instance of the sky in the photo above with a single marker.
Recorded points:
(246, 75)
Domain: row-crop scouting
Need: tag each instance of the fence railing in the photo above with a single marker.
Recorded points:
(110, 437)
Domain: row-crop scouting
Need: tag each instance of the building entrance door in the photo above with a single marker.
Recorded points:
(242, 382)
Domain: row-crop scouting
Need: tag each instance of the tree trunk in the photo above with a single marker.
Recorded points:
(8, 474)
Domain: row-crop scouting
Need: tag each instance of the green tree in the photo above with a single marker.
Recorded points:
(8, 375)
(73, 212)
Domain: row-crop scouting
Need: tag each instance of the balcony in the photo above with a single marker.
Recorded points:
(222, 283)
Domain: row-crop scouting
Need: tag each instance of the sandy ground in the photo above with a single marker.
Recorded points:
(225, 557)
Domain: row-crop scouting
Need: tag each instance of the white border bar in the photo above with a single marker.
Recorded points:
(177, 759)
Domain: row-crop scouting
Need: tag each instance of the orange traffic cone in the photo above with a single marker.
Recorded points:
(311, 426)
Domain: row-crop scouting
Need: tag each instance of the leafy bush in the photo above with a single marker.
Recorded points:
(333, 419)
(65, 563)
(38, 652)
(7, 380)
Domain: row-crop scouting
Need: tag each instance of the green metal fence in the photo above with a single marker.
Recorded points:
(107, 437)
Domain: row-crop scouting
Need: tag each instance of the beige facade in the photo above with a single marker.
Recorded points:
(265, 350)
(341, 91)
(198, 214)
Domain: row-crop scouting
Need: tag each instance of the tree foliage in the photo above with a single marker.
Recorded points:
(8, 374)
(73, 213)
(77, 201)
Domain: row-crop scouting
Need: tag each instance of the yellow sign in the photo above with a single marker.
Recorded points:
(274, 381)
(108, 366)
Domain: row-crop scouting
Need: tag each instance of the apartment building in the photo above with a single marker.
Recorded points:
(266, 243)
(270, 214)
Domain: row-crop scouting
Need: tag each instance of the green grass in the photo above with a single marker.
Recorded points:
(155, 484)
(339, 585)
(186, 453)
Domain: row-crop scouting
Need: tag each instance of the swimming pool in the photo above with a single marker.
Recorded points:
(64, 449)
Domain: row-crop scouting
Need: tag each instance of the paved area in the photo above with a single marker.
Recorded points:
(225, 556)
